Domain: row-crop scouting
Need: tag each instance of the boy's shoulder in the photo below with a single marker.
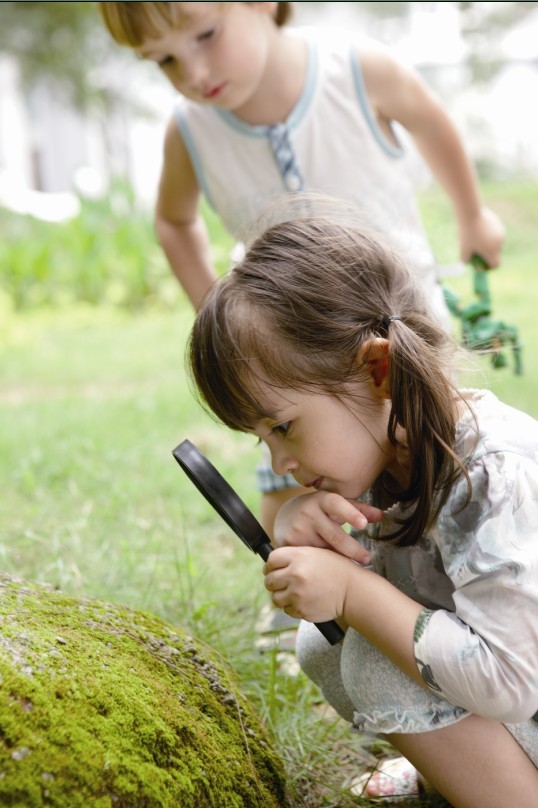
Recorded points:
(370, 53)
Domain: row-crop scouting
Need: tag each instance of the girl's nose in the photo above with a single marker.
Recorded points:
(282, 463)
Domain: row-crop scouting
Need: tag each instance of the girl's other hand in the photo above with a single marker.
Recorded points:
(316, 520)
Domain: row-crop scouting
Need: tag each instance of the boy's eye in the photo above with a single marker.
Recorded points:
(205, 35)
(165, 61)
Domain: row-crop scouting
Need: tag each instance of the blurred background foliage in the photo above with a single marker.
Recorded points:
(106, 255)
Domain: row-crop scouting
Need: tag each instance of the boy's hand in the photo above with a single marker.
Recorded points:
(309, 583)
(483, 235)
(315, 520)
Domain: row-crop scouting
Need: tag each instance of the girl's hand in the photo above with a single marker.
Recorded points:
(482, 235)
(308, 582)
(315, 520)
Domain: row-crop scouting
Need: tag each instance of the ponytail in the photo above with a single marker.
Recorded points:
(424, 404)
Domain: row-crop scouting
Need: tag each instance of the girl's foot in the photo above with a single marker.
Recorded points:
(394, 779)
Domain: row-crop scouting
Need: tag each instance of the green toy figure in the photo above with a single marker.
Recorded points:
(479, 331)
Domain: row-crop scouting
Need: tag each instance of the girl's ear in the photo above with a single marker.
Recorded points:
(373, 356)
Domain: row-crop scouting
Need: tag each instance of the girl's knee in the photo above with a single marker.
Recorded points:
(385, 699)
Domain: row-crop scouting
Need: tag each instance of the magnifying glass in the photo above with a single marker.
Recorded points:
(235, 513)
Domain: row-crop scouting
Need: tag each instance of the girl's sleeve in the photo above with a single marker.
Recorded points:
(484, 656)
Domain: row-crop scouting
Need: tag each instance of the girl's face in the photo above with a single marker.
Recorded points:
(219, 54)
(326, 442)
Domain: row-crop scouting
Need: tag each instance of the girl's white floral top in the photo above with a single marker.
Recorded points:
(476, 570)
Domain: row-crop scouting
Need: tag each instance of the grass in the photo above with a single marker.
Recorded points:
(92, 402)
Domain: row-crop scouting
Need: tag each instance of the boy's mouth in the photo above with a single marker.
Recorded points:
(213, 92)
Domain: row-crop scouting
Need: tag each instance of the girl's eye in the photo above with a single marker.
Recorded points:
(165, 61)
(282, 429)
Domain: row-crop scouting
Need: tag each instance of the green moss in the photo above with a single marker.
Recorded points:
(105, 706)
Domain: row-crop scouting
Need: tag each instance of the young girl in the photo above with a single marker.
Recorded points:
(264, 109)
(319, 343)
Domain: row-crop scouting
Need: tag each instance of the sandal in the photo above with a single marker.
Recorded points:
(393, 780)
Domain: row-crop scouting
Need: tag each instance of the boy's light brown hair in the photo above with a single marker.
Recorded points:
(132, 23)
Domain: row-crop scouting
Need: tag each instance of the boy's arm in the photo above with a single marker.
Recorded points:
(179, 226)
(397, 92)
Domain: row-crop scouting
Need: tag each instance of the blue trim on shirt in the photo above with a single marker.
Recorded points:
(190, 145)
(297, 113)
(312, 71)
(241, 126)
(389, 148)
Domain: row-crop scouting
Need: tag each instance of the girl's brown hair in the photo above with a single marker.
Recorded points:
(308, 294)
(132, 23)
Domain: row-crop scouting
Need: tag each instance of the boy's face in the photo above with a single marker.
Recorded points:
(218, 55)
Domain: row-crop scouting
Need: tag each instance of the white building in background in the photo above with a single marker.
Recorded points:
(45, 146)
(48, 147)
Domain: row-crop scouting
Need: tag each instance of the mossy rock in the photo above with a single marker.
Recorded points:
(101, 705)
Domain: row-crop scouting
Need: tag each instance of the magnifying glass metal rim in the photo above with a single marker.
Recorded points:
(222, 497)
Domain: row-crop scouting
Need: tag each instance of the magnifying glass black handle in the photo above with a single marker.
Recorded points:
(331, 631)
(330, 628)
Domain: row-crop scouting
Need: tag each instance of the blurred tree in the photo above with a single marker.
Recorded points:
(388, 9)
(58, 41)
(483, 25)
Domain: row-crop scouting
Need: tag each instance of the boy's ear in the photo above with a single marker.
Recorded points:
(373, 356)
(268, 8)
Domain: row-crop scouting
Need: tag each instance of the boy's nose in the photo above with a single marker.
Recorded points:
(195, 72)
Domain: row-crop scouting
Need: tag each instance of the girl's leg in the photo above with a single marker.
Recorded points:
(526, 734)
(475, 763)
